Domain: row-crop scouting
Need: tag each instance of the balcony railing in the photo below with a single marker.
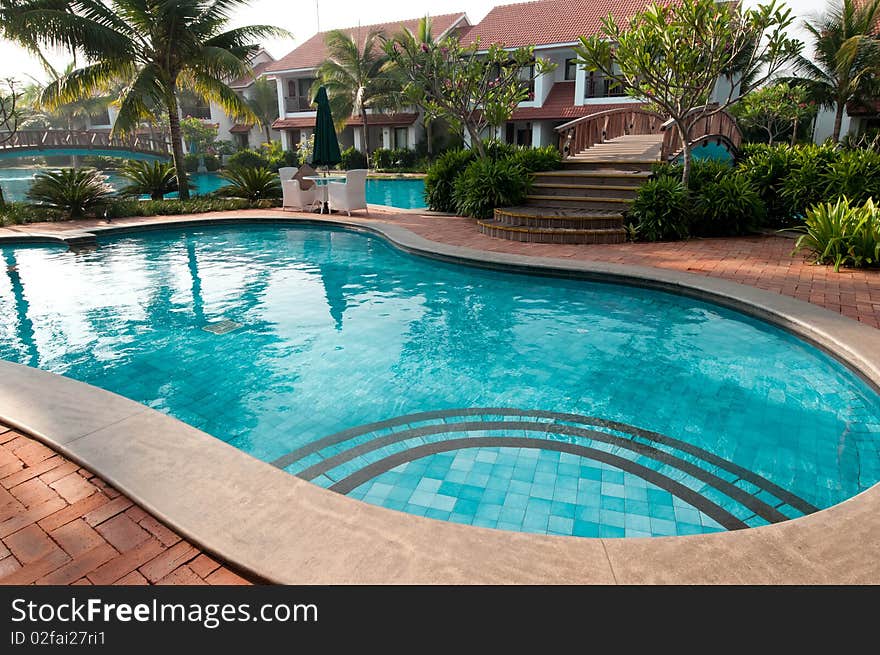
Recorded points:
(200, 112)
(600, 86)
(297, 104)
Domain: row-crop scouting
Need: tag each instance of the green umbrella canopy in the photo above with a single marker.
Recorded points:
(326, 150)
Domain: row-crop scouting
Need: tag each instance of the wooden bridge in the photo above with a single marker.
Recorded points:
(607, 156)
(27, 142)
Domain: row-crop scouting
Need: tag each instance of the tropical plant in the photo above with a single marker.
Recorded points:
(10, 116)
(855, 175)
(73, 191)
(661, 210)
(846, 56)
(154, 179)
(472, 87)
(842, 234)
(775, 110)
(674, 54)
(727, 206)
(486, 184)
(124, 208)
(352, 158)
(250, 183)
(157, 49)
(533, 160)
(806, 182)
(247, 159)
(356, 80)
(767, 167)
(198, 135)
(440, 180)
(263, 102)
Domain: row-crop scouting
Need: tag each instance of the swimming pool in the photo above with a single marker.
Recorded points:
(404, 193)
(499, 400)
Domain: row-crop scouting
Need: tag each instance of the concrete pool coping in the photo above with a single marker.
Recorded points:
(283, 529)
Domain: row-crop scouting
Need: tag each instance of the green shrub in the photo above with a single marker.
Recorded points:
(842, 234)
(399, 159)
(126, 208)
(352, 159)
(854, 175)
(247, 159)
(440, 180)
(806, 182)
(73, 191)
(154, 179)
(191, 163)
(538, 159)
(19, 213)
(727, 205)
(212, 163)
(486, 184)
(250, 183)
(660, 210)
(497, 149)
(767, 167)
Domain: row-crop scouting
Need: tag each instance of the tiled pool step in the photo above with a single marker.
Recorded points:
(355, 460)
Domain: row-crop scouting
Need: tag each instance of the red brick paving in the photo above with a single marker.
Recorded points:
(59, 524)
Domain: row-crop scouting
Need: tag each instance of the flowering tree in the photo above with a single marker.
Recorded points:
(471, 89)
(199, 135)
(674, 55)
(775, 110)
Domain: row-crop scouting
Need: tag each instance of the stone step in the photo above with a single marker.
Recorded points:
(556, 217)
(585, 190)
(632, 179)
(591, 164)
(552, 235)
(578, 202)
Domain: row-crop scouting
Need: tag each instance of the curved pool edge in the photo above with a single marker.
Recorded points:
(281, 529)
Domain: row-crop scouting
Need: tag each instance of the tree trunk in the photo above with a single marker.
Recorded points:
(685, 154)
(268, 135)
(476, 141)
(366, 136)
(838, 121)
(429, 137)
(177, 149)
(794, 130)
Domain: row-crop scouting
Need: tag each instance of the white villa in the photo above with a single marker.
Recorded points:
(567, 93)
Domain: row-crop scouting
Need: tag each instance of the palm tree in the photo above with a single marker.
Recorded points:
(264, 103)
(356, 80)
(158, 48)
(422, 36)
(846, 56)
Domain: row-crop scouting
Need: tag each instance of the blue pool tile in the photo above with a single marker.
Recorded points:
(560, 525)
(612, 503)
(493, 496)
(465, 506)
(612, 518)
(511, 515)
(585, 529)
(564, 510)
(611, 531)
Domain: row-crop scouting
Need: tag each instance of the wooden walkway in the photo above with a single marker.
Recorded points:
(636, 147)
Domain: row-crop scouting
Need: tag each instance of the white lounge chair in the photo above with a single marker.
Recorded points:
(349, 195)
(295, 197)
(287, 172)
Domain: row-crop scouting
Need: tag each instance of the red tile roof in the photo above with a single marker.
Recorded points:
(246, 80)
(240, 129)
(560, 105)
(314, 51)
(293, 123)
(545, 22)
(386, 119)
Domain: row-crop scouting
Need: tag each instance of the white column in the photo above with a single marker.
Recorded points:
(386, 138)
(580, 82)
(279, 87)
(358, 138)
(537, 134)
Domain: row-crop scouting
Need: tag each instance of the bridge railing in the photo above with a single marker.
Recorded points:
(587, 131)
(54, 139)
(720, 127)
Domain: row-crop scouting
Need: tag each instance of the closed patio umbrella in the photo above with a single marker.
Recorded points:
(326, 149)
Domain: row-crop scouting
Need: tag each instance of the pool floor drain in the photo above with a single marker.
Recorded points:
(221, 327)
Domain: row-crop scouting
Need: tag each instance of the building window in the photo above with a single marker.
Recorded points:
(570, 69)
(298, 96)
(400, 137)
(527, 74)
(601, 86)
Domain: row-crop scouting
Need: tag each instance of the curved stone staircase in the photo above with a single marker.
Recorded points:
(586, 200)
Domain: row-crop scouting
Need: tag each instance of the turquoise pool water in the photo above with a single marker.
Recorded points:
(404, 193)
(498, 400)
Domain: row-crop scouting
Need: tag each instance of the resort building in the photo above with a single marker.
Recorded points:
(296, 72)
(241, 134)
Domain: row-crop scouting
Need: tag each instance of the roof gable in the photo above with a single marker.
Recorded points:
(314, 51)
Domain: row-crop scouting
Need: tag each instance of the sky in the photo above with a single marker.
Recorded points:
(303, 17)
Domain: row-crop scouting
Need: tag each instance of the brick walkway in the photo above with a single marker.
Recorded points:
(59, 524)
